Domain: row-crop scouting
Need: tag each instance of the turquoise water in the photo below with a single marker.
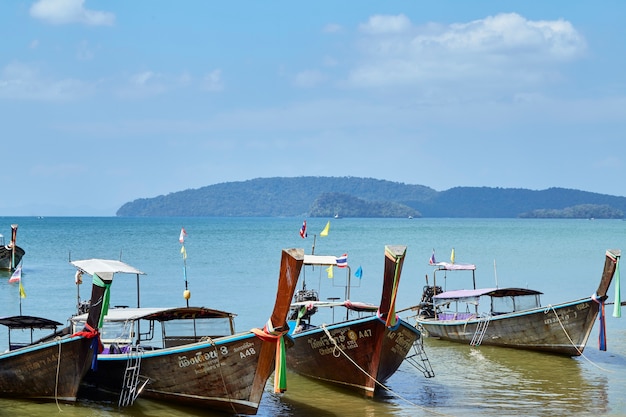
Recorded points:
(233, 265)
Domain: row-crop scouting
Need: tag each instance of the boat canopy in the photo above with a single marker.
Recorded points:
(323, 260)
(29, 322)
(105, 268)
(159, 314)
(350, 305)
(491, 292)
(446, 266)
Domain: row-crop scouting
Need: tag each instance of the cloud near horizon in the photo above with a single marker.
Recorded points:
(61, 12)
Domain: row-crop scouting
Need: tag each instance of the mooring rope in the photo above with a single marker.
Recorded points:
(219, 366)
(551, 307)
(337, 348)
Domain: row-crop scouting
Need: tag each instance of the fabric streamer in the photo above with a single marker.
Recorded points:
(280, 370)
(617, 306)
(106, 298)
(602, 335)
(280, 377)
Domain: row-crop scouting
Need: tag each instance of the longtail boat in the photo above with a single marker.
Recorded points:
(514, 317)
(52, 368)
(10, 254)
(223, 370)
(359, 353)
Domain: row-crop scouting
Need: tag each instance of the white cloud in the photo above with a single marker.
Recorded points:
(60, 12)
(309, 78)
(142, 78)
(144, 84)
(213, 81)
(386, 24)
(505, 49)
(23, 82)
(332, 28)
(84, 52)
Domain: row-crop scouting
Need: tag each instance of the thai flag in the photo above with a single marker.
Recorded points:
(303, 230)
(432, 261)
(342, 261)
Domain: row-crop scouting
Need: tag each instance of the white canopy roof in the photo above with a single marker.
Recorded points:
(122, 314)
(320, 260)
(455, 267)
(105, 268)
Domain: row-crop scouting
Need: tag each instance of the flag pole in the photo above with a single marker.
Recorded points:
(186, 285)
(183, 251)
(20, 295)
(17, 277)
(13, 239)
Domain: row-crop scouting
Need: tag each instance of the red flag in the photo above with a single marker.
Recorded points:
(303, 230)
(181, 239)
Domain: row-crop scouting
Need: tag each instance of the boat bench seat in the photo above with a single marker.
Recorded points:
(17, 345)
(114, 348)
(455, 316)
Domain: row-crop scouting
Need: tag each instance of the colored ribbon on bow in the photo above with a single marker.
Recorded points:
(89, 332)
(602, 335)
(269, 334)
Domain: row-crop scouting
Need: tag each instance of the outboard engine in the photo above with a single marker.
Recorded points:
(427, 304)
(302, 296)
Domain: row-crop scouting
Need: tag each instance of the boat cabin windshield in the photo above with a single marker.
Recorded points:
(160, 328)
(464, 304)
(26, 329)
(511, 303)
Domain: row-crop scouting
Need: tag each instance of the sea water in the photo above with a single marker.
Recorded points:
(232, 264)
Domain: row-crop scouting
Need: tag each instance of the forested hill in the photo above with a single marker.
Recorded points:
(368, 197)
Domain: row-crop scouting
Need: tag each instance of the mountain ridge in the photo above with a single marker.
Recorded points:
(369, 197)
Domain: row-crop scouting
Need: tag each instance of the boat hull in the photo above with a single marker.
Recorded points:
(561, 329)
(7, 260)
(374, 352)
(228, 374)
(50, 370)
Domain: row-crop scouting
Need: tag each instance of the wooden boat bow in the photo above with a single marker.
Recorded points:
(610, 265)
(394, 259)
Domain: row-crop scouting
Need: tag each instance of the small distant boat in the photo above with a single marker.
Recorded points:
(218, 369)
(358, 353)
(52, 367)
(11, 254)
(515, 317)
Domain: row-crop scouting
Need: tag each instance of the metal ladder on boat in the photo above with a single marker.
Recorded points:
(419, 360)
(481, 329)
(132, 379)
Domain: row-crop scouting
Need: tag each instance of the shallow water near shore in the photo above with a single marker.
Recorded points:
(233, 265)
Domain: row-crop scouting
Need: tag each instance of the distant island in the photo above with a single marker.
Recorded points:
(368, 197)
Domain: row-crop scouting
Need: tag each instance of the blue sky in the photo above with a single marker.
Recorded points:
(103, 102)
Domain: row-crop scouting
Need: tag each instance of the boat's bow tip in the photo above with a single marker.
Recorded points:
(614, 253)
(296, 253)
(397, 251)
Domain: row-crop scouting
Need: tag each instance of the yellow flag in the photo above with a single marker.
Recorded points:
(325, 231)
(329, 270)
(183, 251)
(452, 256)
(22, 292)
